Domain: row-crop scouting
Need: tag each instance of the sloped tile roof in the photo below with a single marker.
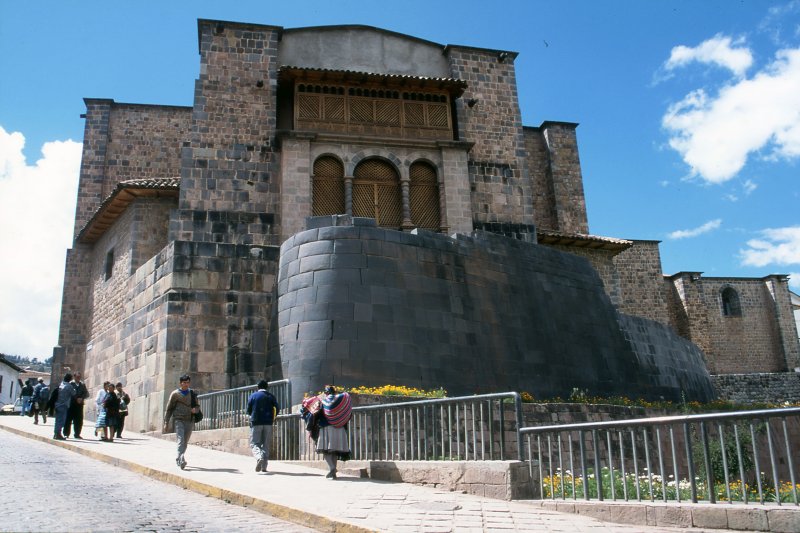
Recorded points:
(118, 201)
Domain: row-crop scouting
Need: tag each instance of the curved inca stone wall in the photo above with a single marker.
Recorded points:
(362, 305)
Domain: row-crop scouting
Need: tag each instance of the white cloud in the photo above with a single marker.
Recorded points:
(749, 186)
(716, 134)
(705, 228)
(778, 246)
(37, 206)
(794, 282)
(718, 50)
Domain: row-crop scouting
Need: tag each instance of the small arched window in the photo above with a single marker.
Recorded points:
(327, 195)
(424, 196)
(730, 302)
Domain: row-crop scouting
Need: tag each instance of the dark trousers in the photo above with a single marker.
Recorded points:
(74, 420)
(120, 425)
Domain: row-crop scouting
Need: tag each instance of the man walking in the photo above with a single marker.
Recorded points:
(41, 394)
(181, 408)
(27, 394)
(262, 408)
(75, 413)
(65, 395)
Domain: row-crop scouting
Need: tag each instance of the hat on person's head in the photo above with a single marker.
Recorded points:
(330, 389)
(263, 384)
(41, 380)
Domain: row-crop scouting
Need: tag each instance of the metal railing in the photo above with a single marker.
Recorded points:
(469, 428)
(710, 457)
(228, 408)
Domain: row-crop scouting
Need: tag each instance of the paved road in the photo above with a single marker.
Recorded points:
(105, 498)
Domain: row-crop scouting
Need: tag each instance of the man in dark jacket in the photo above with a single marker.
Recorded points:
(75, 412)
(262, 408)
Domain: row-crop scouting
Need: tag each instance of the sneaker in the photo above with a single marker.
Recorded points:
(259, 465)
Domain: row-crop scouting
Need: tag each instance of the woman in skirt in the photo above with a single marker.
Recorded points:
(332, 442)
(101, 423)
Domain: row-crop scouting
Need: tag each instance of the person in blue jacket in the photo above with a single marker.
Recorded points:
(263, 409)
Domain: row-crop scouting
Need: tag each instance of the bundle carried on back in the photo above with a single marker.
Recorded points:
(337, 409)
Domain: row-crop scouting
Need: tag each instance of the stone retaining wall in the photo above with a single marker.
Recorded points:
(776, 387)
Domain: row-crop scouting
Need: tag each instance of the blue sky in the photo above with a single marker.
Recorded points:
(689, 116)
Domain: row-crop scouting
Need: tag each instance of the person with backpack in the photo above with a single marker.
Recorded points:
(332, 442)
(41, 395)
(263, 409)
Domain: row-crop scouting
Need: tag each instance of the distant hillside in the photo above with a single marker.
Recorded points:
(32, 363)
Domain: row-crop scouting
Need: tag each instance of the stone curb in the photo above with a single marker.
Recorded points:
(776, 519)
(282, 512)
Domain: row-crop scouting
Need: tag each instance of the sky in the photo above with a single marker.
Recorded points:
(688, 113)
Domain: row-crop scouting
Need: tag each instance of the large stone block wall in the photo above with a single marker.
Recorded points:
(360, 305)
(641, 281)
(603, 262)
(228, 188)
(774, 387)
(197, 308)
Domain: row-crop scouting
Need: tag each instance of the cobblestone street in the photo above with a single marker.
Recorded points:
(47, 488)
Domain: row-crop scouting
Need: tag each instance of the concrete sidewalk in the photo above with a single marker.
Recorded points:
(302, 495)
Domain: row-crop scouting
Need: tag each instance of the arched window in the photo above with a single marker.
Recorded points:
(424, 196)
(730, 302)
(376, 193)
(327, 194)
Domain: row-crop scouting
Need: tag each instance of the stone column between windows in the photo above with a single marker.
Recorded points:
(348, 195)
(406, 224)
(443, 227)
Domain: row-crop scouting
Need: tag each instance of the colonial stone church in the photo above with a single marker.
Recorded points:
(352, 205)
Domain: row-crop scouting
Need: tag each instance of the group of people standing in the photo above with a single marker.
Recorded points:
(68, 400)
(326, 417)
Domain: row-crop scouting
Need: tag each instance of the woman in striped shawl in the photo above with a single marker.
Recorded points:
(332, 442)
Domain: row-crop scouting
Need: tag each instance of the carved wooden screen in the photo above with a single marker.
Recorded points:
(328, 187)
(424, 197)
(376, 193)
(372, 111)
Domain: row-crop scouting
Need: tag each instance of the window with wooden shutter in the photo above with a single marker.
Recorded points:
(376, 193)
(423, 196)
(327, 195)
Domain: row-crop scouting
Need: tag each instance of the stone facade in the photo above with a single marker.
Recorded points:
(757, 336)
(775, 387)
(181, 210)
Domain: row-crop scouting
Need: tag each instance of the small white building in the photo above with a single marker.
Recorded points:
(9, 381)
